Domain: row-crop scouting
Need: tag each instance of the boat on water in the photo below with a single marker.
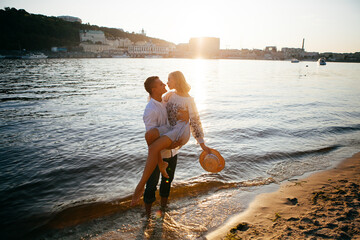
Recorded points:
(153, 56)
(34, 56)
(121, 56)
(321, 61)
(294, 60)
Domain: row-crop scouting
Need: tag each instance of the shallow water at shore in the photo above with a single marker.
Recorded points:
(72, 145)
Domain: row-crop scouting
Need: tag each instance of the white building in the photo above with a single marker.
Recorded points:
(92, 36)
(119, 43)
(148, 48)
(95, 41)
(96, 48)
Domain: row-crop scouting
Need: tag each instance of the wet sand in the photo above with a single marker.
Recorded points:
(325, 205)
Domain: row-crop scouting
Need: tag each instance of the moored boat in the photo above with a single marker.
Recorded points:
(34, 56)
(121, 56)
(153, 56)
(321, 61)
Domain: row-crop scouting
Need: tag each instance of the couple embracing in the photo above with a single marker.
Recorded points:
(168, 119)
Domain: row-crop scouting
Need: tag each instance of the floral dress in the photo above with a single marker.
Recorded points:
(179, 130)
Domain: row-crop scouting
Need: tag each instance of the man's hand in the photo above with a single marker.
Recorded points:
(174, 145)
(183, 115)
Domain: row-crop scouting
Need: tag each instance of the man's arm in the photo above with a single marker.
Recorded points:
(150, 120)
(183, 115)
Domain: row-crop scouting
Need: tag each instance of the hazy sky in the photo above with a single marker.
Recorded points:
(326, 25)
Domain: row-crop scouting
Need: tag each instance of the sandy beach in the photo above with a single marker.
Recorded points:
(324, 205)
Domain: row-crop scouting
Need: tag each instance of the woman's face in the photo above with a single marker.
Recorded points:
(171, 82)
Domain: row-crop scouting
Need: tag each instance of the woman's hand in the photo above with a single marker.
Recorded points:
(205, 148)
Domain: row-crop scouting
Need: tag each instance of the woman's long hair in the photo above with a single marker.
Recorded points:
(181, 85)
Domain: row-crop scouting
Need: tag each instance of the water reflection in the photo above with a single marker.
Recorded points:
(199, 81)
(72, 132)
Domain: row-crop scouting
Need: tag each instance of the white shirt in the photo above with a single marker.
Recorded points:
(155, 115)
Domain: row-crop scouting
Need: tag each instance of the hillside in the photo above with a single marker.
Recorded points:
(22, 30)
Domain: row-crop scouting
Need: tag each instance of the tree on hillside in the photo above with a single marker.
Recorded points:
(22, 30)
(36, 32)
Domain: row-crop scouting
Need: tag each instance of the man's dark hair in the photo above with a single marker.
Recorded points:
(149, 83)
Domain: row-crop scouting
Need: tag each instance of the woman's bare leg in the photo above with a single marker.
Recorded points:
(151, 162)
(151, 136)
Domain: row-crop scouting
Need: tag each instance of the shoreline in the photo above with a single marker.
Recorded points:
(324, 205)
(18, 54)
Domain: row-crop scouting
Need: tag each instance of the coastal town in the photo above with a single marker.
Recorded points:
(96, 44)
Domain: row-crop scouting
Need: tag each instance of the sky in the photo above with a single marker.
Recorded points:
(326, 25)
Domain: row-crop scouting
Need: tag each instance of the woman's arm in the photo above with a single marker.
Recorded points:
(195, 123)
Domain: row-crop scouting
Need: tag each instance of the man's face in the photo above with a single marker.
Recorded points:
(159, 87)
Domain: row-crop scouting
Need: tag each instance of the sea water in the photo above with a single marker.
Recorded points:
(72, 145)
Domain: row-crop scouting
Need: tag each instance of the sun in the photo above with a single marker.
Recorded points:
(199, 21)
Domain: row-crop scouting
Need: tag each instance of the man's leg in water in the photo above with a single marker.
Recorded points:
(149, 194)
(150, 189)
(151, 163)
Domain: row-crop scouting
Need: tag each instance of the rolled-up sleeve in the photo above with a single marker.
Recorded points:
(151, 120)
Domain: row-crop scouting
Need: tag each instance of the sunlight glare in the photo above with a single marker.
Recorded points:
(198, 83)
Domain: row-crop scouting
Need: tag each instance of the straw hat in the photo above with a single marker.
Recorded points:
(212, 162)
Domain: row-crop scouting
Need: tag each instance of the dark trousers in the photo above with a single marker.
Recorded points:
(149, 194)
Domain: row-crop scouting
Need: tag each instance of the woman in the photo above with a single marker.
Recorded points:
(177, 131)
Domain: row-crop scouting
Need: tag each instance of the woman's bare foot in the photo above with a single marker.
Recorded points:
(137, 195)
(162, 167)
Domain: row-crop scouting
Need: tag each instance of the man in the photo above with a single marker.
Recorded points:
(155, 115)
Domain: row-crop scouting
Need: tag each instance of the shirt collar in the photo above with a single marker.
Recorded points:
(155, 101)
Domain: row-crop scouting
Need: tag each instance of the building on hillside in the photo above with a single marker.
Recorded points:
(311, 55)
(96, 42)
(271, 49)
(70, 19)
(92, 36)
(143, 49)
(205, 47)
(119, 42)
(125, 42)
(96, 48)
(182, 50)
(231, 53)
(289, 53)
